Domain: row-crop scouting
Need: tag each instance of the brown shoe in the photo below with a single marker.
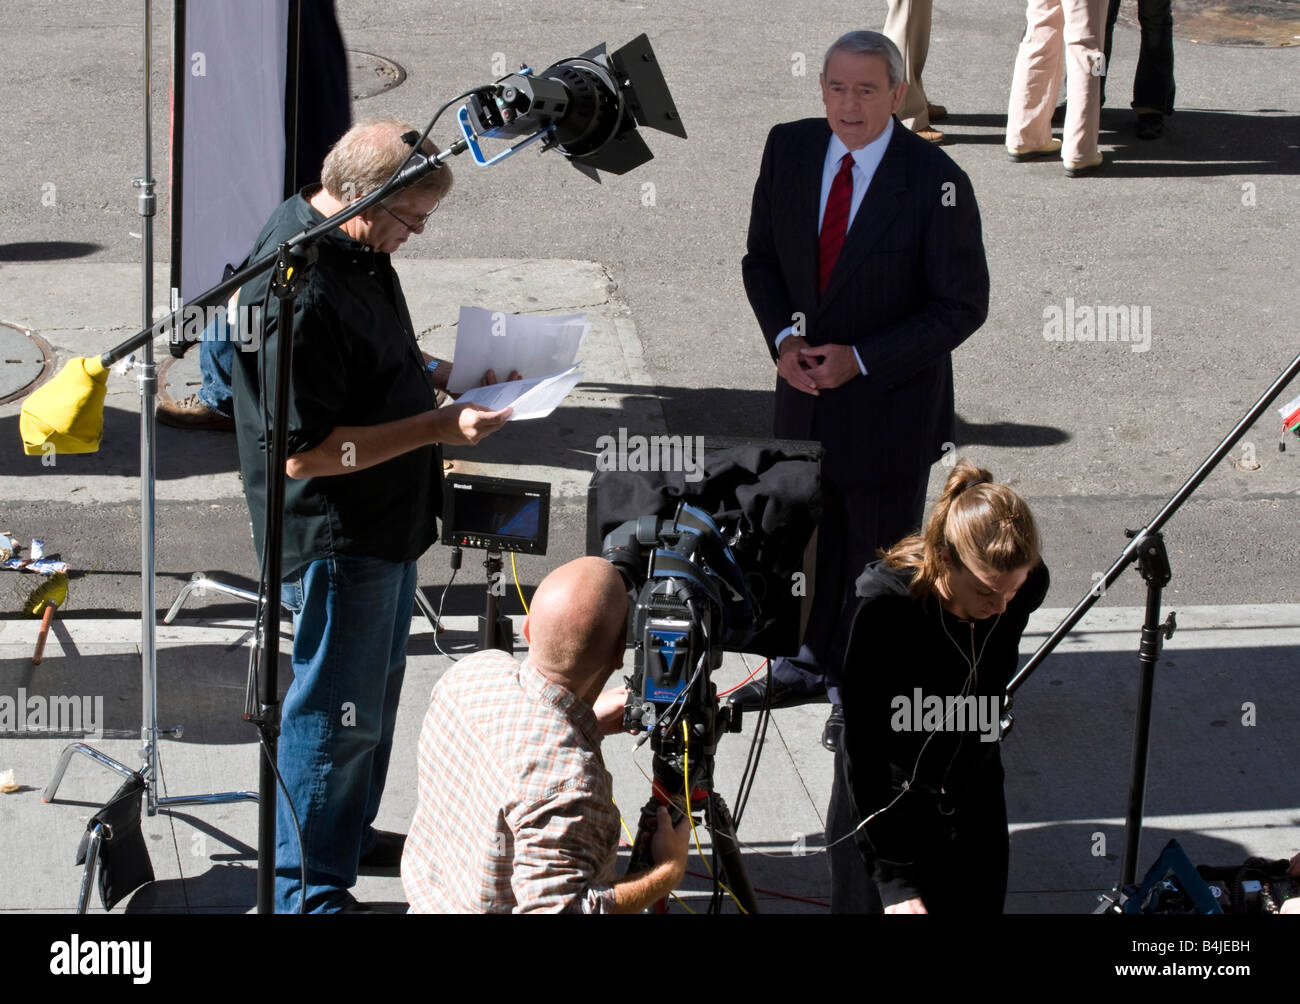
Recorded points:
(192, 414)
(937, 113)
(931, 136)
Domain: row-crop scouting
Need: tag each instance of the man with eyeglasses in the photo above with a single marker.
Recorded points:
(361, 504)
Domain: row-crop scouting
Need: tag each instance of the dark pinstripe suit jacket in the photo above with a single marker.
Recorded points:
(910, 285)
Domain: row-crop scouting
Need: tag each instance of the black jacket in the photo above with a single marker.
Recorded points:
(910, 285)
(355, 362)
(904, 655)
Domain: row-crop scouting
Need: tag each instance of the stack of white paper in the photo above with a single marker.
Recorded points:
(540, 349)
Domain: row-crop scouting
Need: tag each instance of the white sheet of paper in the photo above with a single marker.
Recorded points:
(494, 340)
(530, 398)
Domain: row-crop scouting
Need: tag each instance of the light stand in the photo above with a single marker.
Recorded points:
(148, 382)
(1148, 549)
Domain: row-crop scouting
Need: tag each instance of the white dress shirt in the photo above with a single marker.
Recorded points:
(865, 162)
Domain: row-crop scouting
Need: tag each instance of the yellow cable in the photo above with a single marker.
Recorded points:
(518, 587)
(630, 839)
(686, 787)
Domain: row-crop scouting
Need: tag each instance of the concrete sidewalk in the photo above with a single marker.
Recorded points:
(1223, 786)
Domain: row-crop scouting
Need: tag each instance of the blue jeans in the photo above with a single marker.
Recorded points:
(216, 356)
(351, 618)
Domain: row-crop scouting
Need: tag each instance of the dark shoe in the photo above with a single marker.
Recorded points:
(356, 906)
(1150, 125)
(385, 855)
(750, 696)
(936, 113)
(192, 414)
(833, 734)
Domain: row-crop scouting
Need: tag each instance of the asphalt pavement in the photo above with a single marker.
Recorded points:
(1198, 228)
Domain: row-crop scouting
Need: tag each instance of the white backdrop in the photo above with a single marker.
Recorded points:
(232, 135)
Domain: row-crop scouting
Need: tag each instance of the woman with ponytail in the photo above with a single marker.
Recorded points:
(934, 642)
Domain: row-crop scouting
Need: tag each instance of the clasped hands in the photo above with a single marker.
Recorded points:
(815, 368)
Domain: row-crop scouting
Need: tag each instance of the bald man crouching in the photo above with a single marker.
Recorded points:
(515, 811)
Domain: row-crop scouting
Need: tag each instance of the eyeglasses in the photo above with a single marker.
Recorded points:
(413, 227)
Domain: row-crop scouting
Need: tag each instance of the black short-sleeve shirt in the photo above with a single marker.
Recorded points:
(355, 362)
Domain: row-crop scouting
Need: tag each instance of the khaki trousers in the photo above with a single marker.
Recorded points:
(908, 26)
(1060, 36)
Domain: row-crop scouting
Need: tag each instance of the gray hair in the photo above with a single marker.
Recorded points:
(368, 153)
(869, 43)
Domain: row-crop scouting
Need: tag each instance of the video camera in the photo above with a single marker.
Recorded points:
(711, 567)
(688, 603)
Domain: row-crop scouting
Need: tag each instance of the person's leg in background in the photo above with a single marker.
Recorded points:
(1036, 81)
(856, 520)
(216, 357)
(907, 24)
(1112, 14)
(212, 406)
(1153, 85)
(804, 674)
(1084, 66)
(871, 519)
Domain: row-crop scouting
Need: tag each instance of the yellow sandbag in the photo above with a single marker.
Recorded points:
(68, 411)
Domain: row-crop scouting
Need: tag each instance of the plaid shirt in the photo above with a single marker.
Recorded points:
(515, 811)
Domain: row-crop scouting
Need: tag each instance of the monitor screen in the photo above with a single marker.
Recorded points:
(496, 514)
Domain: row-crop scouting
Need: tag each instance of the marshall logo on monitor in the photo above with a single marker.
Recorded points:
(496, 514)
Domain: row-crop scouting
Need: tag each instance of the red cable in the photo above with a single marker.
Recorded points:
(745, 680)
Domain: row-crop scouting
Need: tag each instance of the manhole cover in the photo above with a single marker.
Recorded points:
(371, 74)
(179, 378)
(24, 361)
(1231, 22)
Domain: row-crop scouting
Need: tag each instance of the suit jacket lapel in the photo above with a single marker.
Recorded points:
(875, 216)
(805, 201)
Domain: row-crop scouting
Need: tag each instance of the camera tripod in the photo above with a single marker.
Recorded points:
(683, 764)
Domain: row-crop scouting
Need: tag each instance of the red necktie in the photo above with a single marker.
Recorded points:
(835, 222)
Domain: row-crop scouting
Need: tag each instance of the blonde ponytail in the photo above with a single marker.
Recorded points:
(979, 521)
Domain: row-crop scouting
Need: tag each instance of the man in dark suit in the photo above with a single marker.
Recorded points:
(865, 269)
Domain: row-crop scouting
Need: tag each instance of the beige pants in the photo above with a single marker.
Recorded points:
(908, 26)
(1060, 34)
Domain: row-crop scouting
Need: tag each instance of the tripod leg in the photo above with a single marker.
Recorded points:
(427, 608)
(641, 859)
(723, 832)
(92, 861)
(100, 758)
